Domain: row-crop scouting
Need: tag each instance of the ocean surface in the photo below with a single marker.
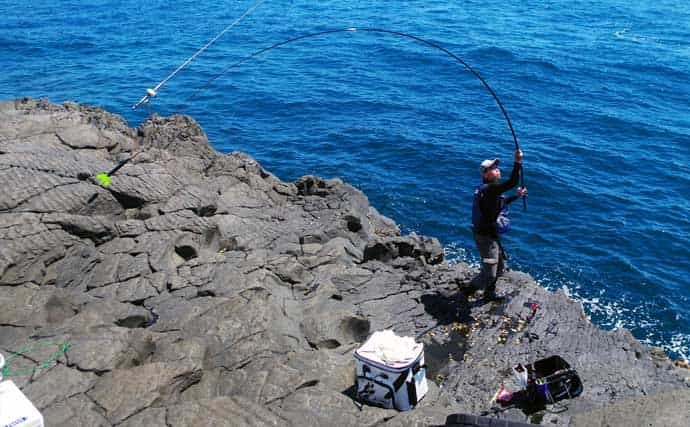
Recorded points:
(598, 93)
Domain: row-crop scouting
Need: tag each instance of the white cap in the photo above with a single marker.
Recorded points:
(488, 164)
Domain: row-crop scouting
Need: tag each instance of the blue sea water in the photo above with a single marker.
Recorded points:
(597, 91)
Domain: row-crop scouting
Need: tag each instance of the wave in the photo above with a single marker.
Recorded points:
(502, 55)
(15, 43)
(542, 64)
(653, 70)
(493, 52)
(618, 125)
(625, 34)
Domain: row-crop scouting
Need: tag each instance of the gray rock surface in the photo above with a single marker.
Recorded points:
(661, 410)
(198, 287)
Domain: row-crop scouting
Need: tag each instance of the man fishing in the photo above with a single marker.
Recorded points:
(490, 220)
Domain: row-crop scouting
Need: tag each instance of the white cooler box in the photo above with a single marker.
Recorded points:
(391, 371)
(15, 409)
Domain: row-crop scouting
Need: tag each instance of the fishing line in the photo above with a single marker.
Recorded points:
(104, 178)
(152, 92)
(382, 31)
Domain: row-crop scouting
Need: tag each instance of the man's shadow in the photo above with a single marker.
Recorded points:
(449, 308)
(448, 339)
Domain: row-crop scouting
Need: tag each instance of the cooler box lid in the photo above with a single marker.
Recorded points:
(390, 350)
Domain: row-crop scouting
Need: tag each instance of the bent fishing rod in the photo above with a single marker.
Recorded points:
(381, 31)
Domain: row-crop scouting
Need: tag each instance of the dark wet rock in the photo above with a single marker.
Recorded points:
(198, 288)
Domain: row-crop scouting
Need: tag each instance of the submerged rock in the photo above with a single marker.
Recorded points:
(199, 286)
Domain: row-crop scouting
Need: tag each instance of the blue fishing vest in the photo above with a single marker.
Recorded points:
(502, 219)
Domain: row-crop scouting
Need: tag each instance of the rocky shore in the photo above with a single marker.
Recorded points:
(199, 289)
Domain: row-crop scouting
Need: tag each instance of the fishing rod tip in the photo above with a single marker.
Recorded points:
(141, 101)
(150, 93)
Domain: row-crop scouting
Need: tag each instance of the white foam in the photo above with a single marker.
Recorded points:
(455, 253)
(680, 344)
(613, 314)
(620, 34)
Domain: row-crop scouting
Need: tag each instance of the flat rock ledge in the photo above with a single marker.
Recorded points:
(199, 289)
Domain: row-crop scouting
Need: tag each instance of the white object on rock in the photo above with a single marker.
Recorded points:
(15, 409)
(390, 349)
(390, 371)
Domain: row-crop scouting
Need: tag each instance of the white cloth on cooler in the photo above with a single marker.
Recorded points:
(390, 349)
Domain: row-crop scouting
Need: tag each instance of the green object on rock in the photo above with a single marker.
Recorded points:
(103, 179)
(51, 351)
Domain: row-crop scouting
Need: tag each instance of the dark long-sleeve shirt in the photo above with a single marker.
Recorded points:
(490, 202)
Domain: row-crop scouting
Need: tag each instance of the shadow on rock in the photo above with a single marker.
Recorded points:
(447, 309)
(447, 342)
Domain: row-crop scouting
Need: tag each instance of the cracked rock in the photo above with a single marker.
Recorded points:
(200, 289)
